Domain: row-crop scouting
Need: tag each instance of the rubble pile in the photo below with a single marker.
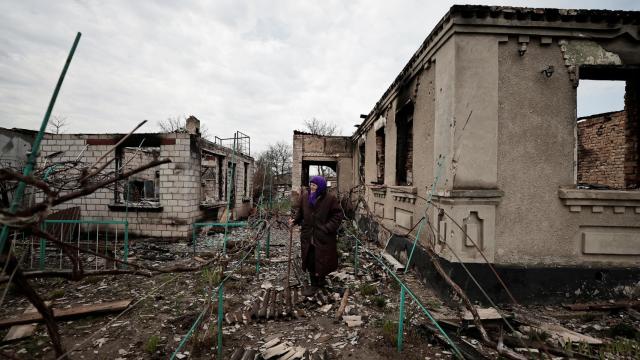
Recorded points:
(266, 316)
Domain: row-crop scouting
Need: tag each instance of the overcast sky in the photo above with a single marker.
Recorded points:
(261, 67)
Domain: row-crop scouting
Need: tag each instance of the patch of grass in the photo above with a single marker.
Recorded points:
(282, 205)
(152, 344)
(432, 304)
(247, 270)
(621, 348)
(367, 289)
(394, 285)
(538, 334)
(588, 317)
(624, 330)
(55, 294)
(378, 301)
(92, 279)
(390, 332)
(210, 277)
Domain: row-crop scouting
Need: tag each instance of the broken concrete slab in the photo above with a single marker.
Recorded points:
(352, 320)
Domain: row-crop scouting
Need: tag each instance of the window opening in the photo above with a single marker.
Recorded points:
(404, 149)
(607, 128)
(380, 148)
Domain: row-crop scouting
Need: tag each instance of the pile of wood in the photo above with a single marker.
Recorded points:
(276, 303)
(275, 348)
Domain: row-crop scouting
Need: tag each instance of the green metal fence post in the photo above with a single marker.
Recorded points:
(401, 320)
(220, 317)
(413, 248)
(35, 148)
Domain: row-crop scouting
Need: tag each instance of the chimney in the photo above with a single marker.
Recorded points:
(193, 125)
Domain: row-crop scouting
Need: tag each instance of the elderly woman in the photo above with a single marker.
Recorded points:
(320, 215)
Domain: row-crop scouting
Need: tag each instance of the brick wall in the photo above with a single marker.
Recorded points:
(601, 149)
(179, 185)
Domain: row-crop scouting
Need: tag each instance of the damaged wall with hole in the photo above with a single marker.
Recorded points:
(165, 200)
(332, 151)
(490, 97)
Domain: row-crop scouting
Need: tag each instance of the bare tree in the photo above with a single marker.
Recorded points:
(280, 156)
(177, 124)
(274, 162)
(320, 127)
(57, 123)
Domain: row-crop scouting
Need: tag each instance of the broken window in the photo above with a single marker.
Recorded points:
(208, 178)
(404, 148)
(231, 168)
(607, 128)
(246, 179)
(144, 188)
(361, 149)
(141, 190)
(221, 181)
(380, 140)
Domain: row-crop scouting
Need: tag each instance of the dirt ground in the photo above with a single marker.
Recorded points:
(165, 308)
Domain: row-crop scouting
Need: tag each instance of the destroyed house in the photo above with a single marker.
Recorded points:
(483, 119)
(162, 201)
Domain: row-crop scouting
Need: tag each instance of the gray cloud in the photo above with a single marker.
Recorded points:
(261, 67)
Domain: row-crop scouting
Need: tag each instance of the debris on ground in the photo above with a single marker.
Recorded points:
(354, 316)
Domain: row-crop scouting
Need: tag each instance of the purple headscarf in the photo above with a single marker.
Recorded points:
(322, 187)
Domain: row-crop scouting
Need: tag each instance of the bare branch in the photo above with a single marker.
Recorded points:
(57, 123)
(92, 173)
(90, 189)
(319, 127)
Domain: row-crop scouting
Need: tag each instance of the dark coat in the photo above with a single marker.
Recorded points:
(320, 224)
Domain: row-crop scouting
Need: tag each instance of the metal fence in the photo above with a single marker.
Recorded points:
(109, 238)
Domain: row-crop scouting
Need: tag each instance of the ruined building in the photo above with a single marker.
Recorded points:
(483, 116)
(162, 201)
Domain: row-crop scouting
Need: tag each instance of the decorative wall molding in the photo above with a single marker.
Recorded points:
(596, 201)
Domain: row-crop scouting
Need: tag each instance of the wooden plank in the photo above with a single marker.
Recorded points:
(343, 304)
(249, 354)
(603, 306)
(484, 313)
(558, 331)
(76, 311)
(18, 332)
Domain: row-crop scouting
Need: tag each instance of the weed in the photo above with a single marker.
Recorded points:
(92, 279)
(367, 289)
(624, 330)
(390, 332)
(621, 348)
(432, 304)
(55, 294)
(152, 344)
(394, 285)
(378, 301)
(248, 270)
(210, 277)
